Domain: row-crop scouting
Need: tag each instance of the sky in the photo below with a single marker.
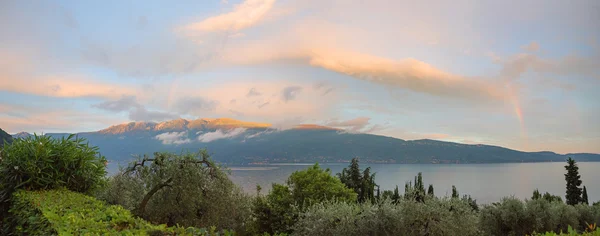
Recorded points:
(519, 74)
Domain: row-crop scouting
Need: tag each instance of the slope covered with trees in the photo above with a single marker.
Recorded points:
(237, 142)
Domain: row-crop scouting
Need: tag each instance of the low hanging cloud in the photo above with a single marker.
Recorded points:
(173, 138)
(244, 15)
(354, 125)
(220, 134)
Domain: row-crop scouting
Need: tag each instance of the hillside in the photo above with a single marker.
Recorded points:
(4, 137)
(238, 142)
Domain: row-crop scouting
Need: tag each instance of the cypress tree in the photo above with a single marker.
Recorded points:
(573, 179)
(430, 190)
(396, 197)
(536, 195)
(454, 192)
(584, 196)
(367, 186)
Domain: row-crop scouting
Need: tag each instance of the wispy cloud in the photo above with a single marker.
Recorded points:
(220, 134)
(136, 111)
(354, 125)
(173, 138)
(244, 15)
(253, 93)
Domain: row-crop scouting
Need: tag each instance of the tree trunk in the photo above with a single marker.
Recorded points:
(142, 207)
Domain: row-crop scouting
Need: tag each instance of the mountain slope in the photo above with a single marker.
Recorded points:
(4, 137)
(240, 142)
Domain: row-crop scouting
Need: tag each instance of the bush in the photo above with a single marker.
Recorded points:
(187, 189)
(407, 217)
(42, 162)
(68, 213)
(512, 216)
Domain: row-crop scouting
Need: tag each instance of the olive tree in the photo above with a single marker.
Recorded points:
(188, 189)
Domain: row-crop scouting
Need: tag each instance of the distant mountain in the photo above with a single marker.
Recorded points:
(4, 137)
(238, 142)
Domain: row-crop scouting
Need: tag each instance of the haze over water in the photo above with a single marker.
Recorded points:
(485, 182)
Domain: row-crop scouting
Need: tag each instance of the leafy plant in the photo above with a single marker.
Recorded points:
(42, 162)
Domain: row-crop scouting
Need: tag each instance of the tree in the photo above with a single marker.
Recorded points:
(536, 195)
(362, 184)
(396, 196)
(188, 189)
(551, 198)
(303, 189)
(584, 196)
(430, 190)
(573, 179)
(454, 192)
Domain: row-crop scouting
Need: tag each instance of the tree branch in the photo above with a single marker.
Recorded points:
(142, 207)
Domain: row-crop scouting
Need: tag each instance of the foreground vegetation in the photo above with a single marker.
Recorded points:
(59, 186)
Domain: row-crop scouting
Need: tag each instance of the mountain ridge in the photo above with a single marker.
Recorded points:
(239, 142)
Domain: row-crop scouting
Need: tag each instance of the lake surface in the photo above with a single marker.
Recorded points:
(484, 182)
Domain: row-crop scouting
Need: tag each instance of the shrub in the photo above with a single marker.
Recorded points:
(514, 217)
(187, 189)
(68, 213)
(42, 162)
(407, 217)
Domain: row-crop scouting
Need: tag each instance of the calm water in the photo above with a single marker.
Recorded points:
(485, 182)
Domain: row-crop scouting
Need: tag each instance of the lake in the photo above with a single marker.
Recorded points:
(484, 182)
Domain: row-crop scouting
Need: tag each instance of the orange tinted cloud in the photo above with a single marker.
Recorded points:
(244, 15)
(59, 86)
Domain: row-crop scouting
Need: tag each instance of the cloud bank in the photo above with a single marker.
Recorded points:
(173, 138)
(220, 134)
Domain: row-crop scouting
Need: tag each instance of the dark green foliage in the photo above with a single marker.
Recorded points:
(4, 137)
(407, 217)
(536, 195)
(387, 194)
(552, 198)
(362, 184)
(396, 196)
(584, 196)
(64, 212)
(546, 196)
(454, 192)
(187, 189)
(278, 211)
(472, 202)
(573, 179)
(430, 190)
(596, 203)
(416, 192)
(41, 162)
